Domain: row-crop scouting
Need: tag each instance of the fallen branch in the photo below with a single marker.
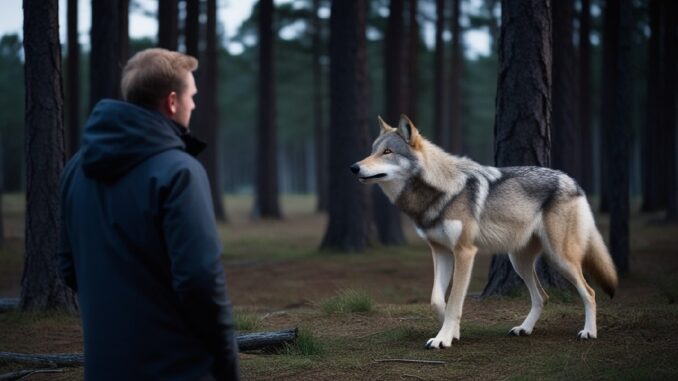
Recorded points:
(246, 342)
(25, 373)
(430, 362)
(8, 304)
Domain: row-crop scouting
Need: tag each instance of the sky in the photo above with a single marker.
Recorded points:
(231, 13)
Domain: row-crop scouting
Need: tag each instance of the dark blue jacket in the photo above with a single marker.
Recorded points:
(139, 245)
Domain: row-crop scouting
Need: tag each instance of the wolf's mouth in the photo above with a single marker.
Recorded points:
(374, 177)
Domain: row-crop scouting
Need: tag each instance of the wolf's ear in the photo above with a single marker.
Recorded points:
(383, 127)
(407, 130)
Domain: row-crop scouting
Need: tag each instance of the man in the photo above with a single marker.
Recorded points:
(139, 242)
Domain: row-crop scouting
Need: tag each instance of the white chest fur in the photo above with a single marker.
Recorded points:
(446, 233)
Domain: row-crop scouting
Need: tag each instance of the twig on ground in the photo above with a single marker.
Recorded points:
(431, 362)
(20, 374)
(410, 376)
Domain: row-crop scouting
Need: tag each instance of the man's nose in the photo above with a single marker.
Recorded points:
(355, 168)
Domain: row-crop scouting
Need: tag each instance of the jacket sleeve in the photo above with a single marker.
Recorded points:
(64, 251)
(197, 273)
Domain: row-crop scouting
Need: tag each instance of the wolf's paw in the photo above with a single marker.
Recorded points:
(436, 343)
(584, 335)
(519, 331)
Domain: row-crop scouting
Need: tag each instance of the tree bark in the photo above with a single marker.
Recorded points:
(350, 218)
(110, 42)
(322, 185)
(456, 134)
(566, 133)
(584, 91)
(267, 147)
(168, 24)
(439, 134)
(42, 287)
(523, 112)
(73, 85)
(387, 216)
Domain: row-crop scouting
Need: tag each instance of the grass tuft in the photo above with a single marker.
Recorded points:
(305, 345)
(245, 321)
(348, 301)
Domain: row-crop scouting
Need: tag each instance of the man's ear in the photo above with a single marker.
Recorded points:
(383, 127)
(170, 104)
(407, 130)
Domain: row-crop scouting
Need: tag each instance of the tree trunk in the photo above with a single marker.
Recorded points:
(566, 135)
(2, 183)
(192, 27)
(439, 134)
(168, 24)
(651, 133)
(669, 108)
(619, 130)
(584, 91)
(109, 41)
(456, 134)
(350, 218)
(267, 147)
(607, 108)
(42, 287)
(73, 84)
(322, 186)
(523, 116)
(210, 117)
(387, 216)
(412, 77)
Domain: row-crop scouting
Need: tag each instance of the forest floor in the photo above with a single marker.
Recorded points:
(277, 279)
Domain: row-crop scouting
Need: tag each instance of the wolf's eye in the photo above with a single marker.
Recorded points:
(386, 151)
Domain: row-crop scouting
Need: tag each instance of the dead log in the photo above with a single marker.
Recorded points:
(8, 304)
(246, 342)
(19, 374)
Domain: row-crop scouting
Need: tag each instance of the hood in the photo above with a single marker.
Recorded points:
(119, 135)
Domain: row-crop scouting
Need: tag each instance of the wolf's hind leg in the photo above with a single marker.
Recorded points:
(442, 273)
(523, 262)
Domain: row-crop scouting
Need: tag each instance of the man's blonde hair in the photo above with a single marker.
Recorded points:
(152, 74)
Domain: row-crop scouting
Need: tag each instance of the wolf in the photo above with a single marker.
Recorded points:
(461, 207)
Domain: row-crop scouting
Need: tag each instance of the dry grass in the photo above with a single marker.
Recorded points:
(277, 279)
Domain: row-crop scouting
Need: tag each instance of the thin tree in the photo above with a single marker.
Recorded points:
(168, 24)
(439, 77)
(669, 108)
(618, 14)
(412, 77)
(267, 151)
(322, 185)
(386, 215)
(73, 83)
(456, 134)
(350, 220)
(110, 48)
(2, 183)
(584, 92)
(42, 288)
(651, 132)
(522, 127)
(210, 115)
(607, 108)
(192, 28)
(566, 134)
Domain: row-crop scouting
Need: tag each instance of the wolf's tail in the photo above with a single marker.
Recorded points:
(598, 263)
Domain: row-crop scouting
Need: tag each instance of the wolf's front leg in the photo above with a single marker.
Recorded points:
(442, 273)
(463, 264)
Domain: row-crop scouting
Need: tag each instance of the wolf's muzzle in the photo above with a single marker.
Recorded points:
(355, 168)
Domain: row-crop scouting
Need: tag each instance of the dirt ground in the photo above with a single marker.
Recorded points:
(277, 279)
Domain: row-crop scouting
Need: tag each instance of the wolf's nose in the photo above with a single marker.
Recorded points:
(355, 168)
